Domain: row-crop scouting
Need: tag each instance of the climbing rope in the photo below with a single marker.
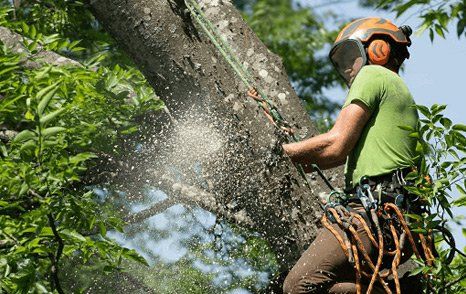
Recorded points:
(267, 105)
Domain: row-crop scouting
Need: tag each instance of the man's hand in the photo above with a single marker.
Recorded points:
(288, 149)
(254, 94)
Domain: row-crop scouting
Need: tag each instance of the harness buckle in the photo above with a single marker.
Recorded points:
(364, 194)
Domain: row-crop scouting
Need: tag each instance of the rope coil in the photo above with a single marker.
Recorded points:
(344, 219)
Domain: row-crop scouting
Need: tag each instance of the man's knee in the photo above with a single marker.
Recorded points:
(288, 283)
(312, 283)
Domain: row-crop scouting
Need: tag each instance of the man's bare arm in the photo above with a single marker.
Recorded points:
(331, 149)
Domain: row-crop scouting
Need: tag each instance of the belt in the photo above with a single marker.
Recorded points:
(392, 181)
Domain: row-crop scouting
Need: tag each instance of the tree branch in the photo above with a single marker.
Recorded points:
(153, 210)
(14, 41)
(182, 193)
(55, 258)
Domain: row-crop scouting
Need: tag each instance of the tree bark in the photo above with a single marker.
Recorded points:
(246, 174)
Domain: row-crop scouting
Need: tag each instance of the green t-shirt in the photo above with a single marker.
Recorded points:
(383, 146)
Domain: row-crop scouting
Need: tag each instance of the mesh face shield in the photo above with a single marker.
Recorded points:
(348, 57)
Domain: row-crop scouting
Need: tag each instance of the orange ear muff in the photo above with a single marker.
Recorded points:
(378, 52)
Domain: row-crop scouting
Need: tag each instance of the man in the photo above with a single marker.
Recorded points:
(368, 54)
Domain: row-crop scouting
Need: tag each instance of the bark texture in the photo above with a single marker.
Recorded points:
(246, 179)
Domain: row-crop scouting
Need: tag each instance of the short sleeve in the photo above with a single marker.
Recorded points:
(367, 88)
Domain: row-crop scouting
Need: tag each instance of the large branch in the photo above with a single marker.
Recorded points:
(15, 42)
(181, 193)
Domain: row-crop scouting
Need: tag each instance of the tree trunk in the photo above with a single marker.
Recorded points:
(228, 148)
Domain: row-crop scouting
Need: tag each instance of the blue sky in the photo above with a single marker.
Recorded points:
(435, 73)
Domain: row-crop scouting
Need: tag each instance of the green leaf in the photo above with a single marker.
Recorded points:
(460, 202)
(459, 127)
(103, 229)
(73, 234)
(24, 27)
(45, 119)
(45, 95)
(133, 255)
(424, 110)
(414, 216)
(44, 72)
(24, 188)
(8, 69)
(52, 131)
(30, 144)
(439, 30)
(46, 232)
(419, 230)
(460, 189)
(460, 27)
(82, 157)
(92, 222)
(23, 136)
(414, 135)
(29, 115)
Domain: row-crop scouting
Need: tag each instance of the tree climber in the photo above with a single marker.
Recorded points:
(367, 54)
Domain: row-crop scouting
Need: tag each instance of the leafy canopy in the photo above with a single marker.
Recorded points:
(61, 124)
(436, 16)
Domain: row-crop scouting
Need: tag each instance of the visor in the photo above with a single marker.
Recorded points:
(348, 57)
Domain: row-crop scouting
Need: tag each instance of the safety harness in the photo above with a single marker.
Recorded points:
(384, 202)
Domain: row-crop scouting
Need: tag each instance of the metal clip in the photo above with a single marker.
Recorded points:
(367, 199)
(399, 200)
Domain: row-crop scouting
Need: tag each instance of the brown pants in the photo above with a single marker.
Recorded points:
(324, 267)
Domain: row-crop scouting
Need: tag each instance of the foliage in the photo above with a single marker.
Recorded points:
(72, 21)
(436, 15)
(299, 37)
(443, 168)
(63, 123)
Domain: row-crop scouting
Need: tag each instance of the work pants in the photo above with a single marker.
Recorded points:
(324, 267)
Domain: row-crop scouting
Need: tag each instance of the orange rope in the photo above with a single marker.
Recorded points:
(335, 233)
(366, 228)
(404, 225)
(368, 260)
(360, 246)
(352, 249)
(358, 269)
(345, 237)
(375, 219)
(396, 260)
(428, 253)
